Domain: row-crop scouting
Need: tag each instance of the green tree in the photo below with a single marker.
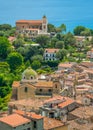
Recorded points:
(37, 57)
(69, 39)
(30, 51)
(58, 30)
(59, 44)
(36, 64)
(4, 91)
(59, 36)
(78, 30)
(71, 50)
(4, 47)
(42, 40)
(51, 28)
(5, 27)
(18, 43)
(61, 54)
(15, 60)
(53, 42)
(22, 51)
(86, 32)
(63, 28)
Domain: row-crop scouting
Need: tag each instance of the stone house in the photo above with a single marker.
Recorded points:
(15, 121)
(58, 107)
(21, 120)
(31, 87)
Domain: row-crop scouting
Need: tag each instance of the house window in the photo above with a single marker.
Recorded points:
(55, 85)
(46, 55)
(44, 27)
(35, 124)
(40, 90)
(51, 115)
(26, 89)
(31, 77)
(28, 129)
(53, 55)
(49, 90)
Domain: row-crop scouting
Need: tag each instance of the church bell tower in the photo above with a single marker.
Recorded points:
(44, 24)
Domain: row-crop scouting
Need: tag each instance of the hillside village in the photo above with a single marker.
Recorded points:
(52, 87)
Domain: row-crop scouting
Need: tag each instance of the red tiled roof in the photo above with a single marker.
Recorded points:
(50, 123)
(90, 71)
(65, 65)
(33, 29)
(54, 98)
(30, 21)
(11, 38)
(89, 96)
(14, 120)
(29, 114)
(51, 50)
(44, 84)
(67, 102)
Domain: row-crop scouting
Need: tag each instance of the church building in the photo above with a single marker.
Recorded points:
(32, 28)
(31, 86)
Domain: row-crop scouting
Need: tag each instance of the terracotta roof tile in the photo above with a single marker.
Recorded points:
(30, 21)
(67, 102)
(11, 38)
(50, 123)
(89, 96)
(28, 103)
(65, 65)
(14, 120)
(33, 29)
(83, 112)
(51, 50)
(29, 114)
(43, 84)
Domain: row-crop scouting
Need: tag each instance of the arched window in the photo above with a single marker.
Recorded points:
(26, 89)
(55, 85)
(31, 77)
(40, 90)
(49, 90)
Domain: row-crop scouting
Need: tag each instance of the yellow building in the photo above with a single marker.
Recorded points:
(31, 87)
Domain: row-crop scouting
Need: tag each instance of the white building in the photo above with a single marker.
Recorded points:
(50, 54)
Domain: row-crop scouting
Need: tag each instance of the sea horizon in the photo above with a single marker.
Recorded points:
(71, 13)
